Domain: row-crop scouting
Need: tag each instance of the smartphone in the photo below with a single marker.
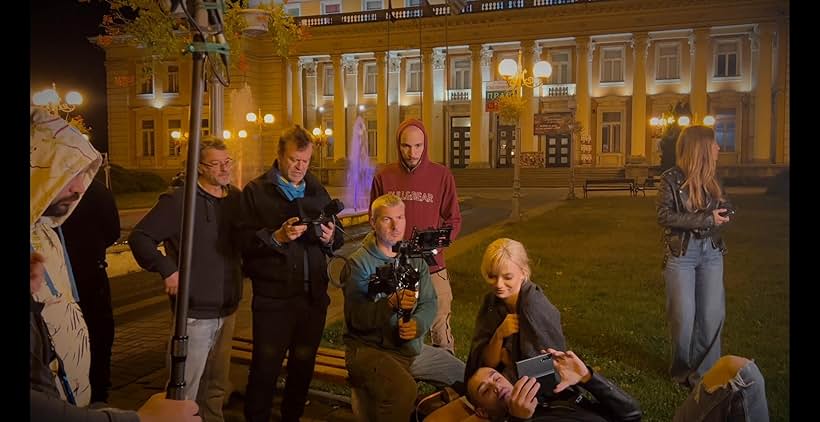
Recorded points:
(542, 369)
(727, 213)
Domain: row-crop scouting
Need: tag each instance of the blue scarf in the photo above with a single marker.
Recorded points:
(290, 191)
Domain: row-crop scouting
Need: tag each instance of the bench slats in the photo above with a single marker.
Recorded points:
(321, 372)
(610, 185)
(330, 363)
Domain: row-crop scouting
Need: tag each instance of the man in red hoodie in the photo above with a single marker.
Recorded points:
(429, 194)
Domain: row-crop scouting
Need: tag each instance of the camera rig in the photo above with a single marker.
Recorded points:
(400, 274)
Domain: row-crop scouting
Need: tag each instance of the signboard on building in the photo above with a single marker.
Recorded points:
(494, 90)
(545, 124)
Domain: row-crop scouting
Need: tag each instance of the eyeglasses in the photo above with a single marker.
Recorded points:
(223, 164)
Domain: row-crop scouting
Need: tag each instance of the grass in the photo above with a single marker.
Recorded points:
(599, 261)
(136, 200)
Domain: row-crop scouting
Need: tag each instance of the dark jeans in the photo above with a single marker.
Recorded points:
(95, 302)
(292, 325)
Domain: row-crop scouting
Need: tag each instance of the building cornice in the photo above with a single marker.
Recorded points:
(578, 19)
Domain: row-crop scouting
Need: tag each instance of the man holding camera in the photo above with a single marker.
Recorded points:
(384, 332)
(428, 190)
(286, 261)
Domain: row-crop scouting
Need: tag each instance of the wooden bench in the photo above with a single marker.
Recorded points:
(651, 183)
(610, 185)
(330, 363)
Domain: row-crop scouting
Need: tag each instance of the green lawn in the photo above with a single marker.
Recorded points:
(599, 262)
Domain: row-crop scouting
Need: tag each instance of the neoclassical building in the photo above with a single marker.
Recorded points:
(615, 65)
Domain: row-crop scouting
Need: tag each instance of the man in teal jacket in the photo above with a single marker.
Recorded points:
(381, 346)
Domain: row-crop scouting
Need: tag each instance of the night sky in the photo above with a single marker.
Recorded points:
(61, 53)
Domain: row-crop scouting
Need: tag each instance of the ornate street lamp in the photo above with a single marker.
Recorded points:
(260, 121)
(516, 77)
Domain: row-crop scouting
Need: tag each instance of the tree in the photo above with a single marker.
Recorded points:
(144, 24)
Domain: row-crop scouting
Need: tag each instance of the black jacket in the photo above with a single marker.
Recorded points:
(678, 223)
(216, 278)
(279, 270)
(89, 230)
(610, 404)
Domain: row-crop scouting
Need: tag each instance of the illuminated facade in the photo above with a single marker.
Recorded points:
(616, 64)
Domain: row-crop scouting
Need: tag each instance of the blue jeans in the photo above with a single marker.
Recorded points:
(732, 391)
(695, 309)
(436, 366)
(208, 363)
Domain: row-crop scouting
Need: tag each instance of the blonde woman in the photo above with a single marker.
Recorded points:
(516, 320)
(692, 207)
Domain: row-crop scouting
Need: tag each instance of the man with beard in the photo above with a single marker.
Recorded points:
(216, 279)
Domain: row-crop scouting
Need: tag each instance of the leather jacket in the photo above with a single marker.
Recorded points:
(680, 224)
(608, 402)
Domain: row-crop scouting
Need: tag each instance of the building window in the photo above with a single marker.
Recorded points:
(148, 141)
(372, 138)
(668, 62)
(412, 3)
(461, 76)
(172, 87)
(206, 130)
(146, 81)
(372, 5)
(174, 125)
(370, 73)
(726, 59)
(328, 80)
(611, 132)
(331, 7)
(726, 129)
(413, 75)
(612, 64)
(293, 9)
(561, 67)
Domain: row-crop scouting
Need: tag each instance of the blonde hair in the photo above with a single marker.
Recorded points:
(695, 158)
(387, 200)
(505, 249)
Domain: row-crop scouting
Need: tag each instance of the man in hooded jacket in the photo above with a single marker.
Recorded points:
(62, 164)
(428, 190)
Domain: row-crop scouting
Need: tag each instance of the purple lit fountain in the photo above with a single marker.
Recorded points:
(360, 172)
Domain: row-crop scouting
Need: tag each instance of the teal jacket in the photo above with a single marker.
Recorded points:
(375, 323)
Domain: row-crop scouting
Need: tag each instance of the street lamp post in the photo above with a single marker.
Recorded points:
(260, 121)
(516, 77)
(321, 138)
(50, 99)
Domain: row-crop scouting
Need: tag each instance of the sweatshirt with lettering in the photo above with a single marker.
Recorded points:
(428, 191)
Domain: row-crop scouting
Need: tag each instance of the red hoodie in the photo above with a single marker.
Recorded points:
(428, 191)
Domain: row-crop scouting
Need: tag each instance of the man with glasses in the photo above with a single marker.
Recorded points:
(216, 279)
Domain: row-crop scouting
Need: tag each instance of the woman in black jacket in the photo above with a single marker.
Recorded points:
(692, 206)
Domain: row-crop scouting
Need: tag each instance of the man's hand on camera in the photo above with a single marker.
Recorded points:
(327, 233)
(522, 401)
(570, 368)
(172, 283)
(405, 298)
(289, 230)
(407, 330)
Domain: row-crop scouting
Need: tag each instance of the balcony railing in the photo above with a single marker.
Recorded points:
(476, 6)
(557, 90)
(458, 94)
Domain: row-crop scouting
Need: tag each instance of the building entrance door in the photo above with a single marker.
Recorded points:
(505, 146)
(459, 145)
(558, 149)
